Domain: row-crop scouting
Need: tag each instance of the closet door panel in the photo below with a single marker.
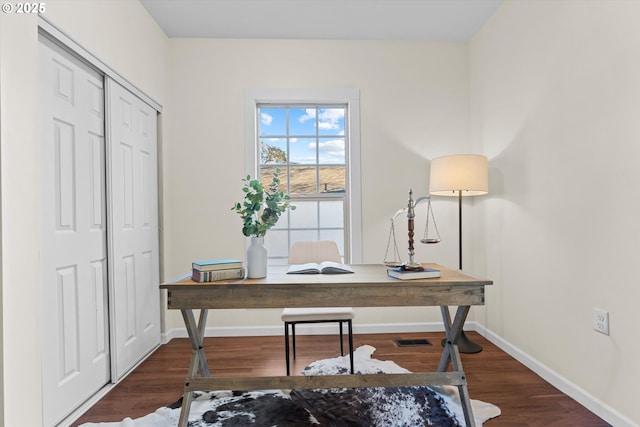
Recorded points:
(76, 358)
(133, 213)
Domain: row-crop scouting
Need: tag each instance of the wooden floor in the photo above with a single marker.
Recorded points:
(493, 376)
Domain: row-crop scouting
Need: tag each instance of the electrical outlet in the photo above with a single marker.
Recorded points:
(601, 321)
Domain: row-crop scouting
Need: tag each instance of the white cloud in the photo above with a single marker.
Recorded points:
(266, 119)
(310, 115)
(330, 151)
(328, 118)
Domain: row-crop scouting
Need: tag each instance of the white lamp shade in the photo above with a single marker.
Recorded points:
(468, 173)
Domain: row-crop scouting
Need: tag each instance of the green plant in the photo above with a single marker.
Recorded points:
(261, 208)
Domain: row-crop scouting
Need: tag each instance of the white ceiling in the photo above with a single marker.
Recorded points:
(438, 20)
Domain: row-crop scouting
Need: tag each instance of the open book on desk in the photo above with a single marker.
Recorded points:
(325, 267)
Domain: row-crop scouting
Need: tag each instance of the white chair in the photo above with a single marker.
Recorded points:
(316, 251)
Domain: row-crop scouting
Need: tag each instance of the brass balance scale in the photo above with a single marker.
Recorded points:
(393, 259)
(464, 344)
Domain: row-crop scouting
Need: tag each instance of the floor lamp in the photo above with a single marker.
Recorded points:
(460, 175)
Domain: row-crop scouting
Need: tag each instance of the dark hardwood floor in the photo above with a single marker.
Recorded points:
(493, 376)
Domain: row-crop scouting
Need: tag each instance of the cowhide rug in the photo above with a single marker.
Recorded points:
(361, 407)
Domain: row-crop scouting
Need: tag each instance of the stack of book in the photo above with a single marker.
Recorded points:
(216, 269)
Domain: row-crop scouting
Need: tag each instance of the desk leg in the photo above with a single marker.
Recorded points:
(450, 353)
(198, 357)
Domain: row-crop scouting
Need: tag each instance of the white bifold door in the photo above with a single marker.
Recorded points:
(99, 258)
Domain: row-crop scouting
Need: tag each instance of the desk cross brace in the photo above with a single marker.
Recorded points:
(198, 357)
(450, 355)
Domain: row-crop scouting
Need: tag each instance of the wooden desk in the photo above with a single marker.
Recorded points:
(369, 286)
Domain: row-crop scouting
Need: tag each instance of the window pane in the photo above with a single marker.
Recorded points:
(331, 214)
(305, 215)
(272, 121)
(331, 151)
(331, 121)
(332, 179)
(301, 235)
(277, 243)
(273, 151)
(303, 180)
(302, 121)
(335, 235)
(283, 222)
(266, 176)
(303, 151)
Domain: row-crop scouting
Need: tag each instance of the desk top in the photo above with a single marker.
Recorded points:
(368, 286)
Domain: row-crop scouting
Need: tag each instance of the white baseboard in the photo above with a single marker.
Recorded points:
(572, 390)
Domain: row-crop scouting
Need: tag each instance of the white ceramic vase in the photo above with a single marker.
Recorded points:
(256, 259)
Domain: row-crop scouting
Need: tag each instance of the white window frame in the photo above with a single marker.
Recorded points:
(351, 97)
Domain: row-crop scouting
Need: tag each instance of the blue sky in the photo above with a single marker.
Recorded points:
(303, 135)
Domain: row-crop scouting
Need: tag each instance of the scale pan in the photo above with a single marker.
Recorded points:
(432, 240)
(392, 264)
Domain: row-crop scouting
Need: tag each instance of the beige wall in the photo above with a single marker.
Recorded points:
(548, 90)
(414, 106)
(555, 91)
(121, 34)
(20, 217)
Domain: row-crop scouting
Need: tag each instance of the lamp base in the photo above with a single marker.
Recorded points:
(465, 346)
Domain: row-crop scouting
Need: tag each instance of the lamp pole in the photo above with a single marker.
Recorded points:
(460, 229)
(451, 176)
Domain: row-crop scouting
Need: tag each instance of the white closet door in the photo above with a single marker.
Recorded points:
(133, 226)
(76, 360)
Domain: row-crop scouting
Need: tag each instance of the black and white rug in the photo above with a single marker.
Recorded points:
(361, 407)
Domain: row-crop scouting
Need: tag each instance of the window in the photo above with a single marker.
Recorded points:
(311, 141)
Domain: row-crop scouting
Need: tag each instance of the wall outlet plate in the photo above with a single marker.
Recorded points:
(601, 321)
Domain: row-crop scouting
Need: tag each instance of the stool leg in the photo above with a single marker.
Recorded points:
(286, 345)
(341, 340)
(293, 335)
(350, 327)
